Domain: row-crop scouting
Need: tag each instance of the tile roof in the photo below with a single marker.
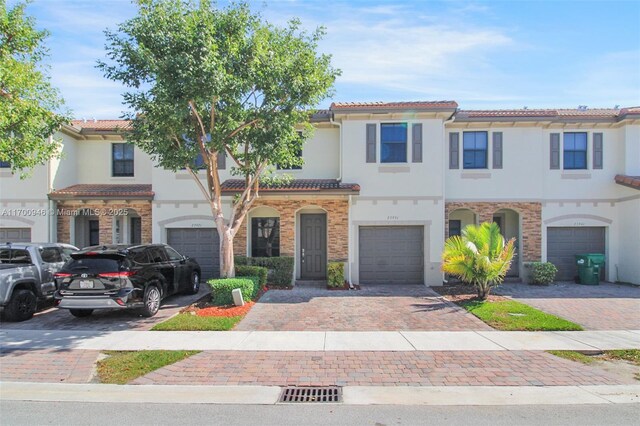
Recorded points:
(101, 125)
(296, 185)
(630, 181)
(561, 114)
(422, 105)
(104, 191)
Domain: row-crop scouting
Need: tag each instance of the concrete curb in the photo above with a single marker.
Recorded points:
(321, 341)
(353, 395)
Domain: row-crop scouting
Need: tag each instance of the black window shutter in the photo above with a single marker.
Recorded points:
(497, 150)
(454, 150)
(371, 143)
(222, 160)
(597, 151)
(416, 138)
(554, 151)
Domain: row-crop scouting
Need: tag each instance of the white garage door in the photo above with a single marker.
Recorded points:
(563, 243)
(15, 235)
(201, 244)
(391, 254)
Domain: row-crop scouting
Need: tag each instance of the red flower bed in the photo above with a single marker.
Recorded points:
(225, 311)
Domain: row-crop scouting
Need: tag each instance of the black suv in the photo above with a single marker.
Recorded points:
(120, 276)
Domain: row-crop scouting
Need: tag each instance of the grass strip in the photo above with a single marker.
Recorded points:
(188, 322)
(121, 367)
(509, 315)
(574, 356)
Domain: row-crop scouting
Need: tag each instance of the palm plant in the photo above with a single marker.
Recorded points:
(480, 256)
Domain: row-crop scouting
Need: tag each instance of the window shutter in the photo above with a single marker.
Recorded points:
(597, 151)
(497, 150)
(222, 160)
(416, 137)
(371, 143)
(554, 152)
(454, 150)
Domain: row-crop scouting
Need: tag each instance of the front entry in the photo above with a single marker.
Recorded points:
(313, 246)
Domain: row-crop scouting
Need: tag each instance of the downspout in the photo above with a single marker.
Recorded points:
(52, 225)
(349, 250)
(451, 119)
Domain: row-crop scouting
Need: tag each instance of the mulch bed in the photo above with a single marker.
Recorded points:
(460, 293)
(204, 307)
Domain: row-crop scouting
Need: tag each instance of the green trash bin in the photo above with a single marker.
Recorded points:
(589, 265)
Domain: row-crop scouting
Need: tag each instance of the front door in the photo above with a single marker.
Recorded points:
(514, 271)
(313, 246)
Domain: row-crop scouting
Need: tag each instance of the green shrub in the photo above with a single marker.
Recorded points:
(542, 272)
(335, 274)
(253, 271)
(280, 268)
(221, 289)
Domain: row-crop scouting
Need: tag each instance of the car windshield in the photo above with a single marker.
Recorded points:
(93, 264)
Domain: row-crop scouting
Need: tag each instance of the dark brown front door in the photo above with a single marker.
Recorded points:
(313, 246)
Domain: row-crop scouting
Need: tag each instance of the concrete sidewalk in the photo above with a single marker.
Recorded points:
(321, 341)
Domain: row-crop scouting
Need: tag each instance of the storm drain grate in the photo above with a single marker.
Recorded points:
(318, 394)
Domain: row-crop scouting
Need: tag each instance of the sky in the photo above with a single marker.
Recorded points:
(482, 54)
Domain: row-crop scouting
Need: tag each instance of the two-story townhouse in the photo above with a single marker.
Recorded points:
(382, 186)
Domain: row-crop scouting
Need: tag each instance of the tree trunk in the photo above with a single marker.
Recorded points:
(483, 290)
(227, 267)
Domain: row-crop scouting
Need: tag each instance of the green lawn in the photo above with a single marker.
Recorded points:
(510, 315)
(574, 356)
(188, 322)
(631, 355)
(123, 366)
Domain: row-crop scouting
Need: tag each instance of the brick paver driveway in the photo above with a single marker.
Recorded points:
(603, 307)
(105, 320)
(380, 307)
(444, 368)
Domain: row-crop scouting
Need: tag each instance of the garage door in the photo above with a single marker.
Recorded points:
(201, 244)
(15, 235)
(391, 255)
(564, 243)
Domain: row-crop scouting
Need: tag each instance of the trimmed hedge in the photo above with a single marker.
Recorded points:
(221, 289)
(280, 268)
(335, 274)
(253, 271)
(542, 272)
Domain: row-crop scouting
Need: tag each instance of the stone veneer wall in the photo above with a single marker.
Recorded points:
(142, 208)
(337, 225)
(531, 222)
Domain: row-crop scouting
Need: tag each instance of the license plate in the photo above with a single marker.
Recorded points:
(86, 284)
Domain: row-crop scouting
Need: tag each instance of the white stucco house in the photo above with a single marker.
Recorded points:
(382, 186)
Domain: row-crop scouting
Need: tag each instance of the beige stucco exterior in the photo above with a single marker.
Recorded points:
(525, 191)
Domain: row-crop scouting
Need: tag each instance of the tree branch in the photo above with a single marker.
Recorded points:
(242, 126)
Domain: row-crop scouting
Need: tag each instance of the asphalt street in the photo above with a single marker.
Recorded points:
(72, 413)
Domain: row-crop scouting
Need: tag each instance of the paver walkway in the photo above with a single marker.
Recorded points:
(47, 366)
(374, 308)
(444, 368)
(603, 307)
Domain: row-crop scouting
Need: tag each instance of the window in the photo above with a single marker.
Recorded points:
(51, 255)
(575, 151)
(156, 254)
(475, 150)
(173, 255)
(298, 155)
(122, 159)
(5, 164)
(265, 237)
(19, 256)
(140, 255)
(455, 227)
(393, 142)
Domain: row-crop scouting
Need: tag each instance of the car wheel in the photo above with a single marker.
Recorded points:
(194, 284)
(81, 313)
(22, 306)
(151, 301)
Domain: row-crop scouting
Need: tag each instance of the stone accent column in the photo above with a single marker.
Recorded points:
(106, 229)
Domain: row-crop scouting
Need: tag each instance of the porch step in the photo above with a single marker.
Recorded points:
(311, 283)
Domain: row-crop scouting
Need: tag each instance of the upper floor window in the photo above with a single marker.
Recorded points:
(575, 150)
(265, 237)
(474, 150)
(298, 155)
(393, 142)
(122, 159)
(5, 164)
